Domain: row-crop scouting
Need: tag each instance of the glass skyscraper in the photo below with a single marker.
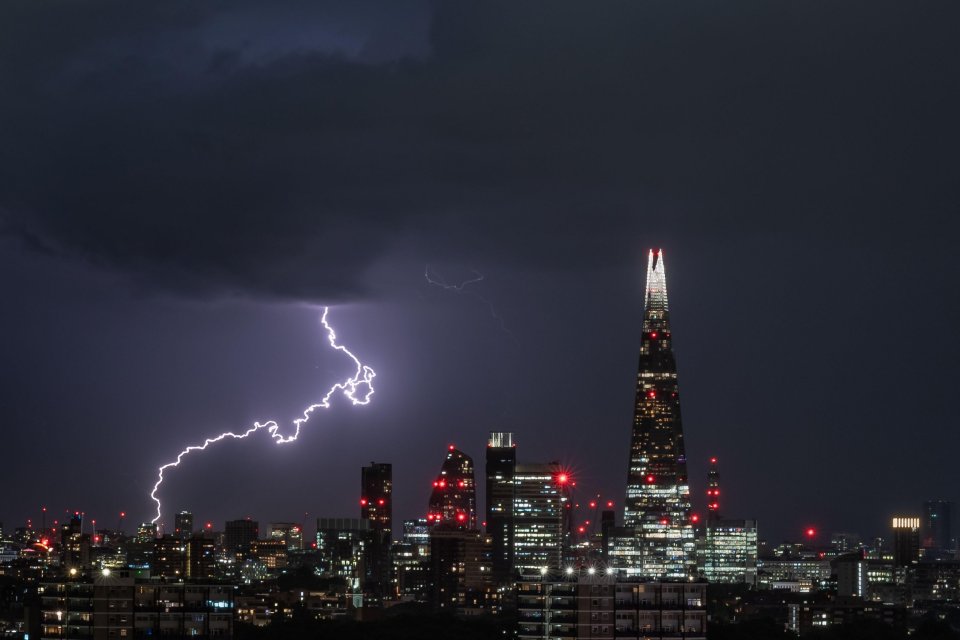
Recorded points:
(657, 506)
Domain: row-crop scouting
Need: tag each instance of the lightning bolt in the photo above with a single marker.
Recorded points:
(461, 288)
(358, 389)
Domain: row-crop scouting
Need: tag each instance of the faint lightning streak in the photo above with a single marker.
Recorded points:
(362, 377)
(462, 288)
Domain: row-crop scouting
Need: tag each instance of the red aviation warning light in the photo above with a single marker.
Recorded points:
(694, 518)
(451, 447)
(363, 502)
(811, 532)
(563, 478)
(610, 504)
(381, 502)
(650, 479)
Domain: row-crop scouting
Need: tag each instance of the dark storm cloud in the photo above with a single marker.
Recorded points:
(222, 147)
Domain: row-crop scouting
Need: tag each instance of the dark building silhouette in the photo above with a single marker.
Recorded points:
(183, 525)
(935, 526)
(453, 501)
(238, 534)
(501, 465)
(713, 492)
(658, 494)
(194, 558)
(460, 571)
(376, 506)
(608, 520)
(906, 541)
(119, 604)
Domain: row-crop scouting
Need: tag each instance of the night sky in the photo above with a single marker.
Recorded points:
(184, 184)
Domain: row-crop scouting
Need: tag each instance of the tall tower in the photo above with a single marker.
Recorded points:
(376, 507)
(658, 494)
(453, 501)
(713, 492)
(501, 467)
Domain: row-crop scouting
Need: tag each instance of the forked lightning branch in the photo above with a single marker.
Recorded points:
(358, 389)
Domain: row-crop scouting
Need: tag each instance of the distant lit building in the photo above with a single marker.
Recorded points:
(730, 551)
(411, 561)
(291, 533)
(843, 542)
(174, 558)
(146, 533)
(540, 517)
(272, 553)
(169, 557)
(183, 525)
(453, 501)
(657, 503)
(729, 546)
(853, 575)
(906, 540)
(343, 551)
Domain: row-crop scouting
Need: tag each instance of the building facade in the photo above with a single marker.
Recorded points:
(500, 468)
(117, 604)
(600, 607)
(453, 501)
(376, 507)
(657, 504)
(540, 519)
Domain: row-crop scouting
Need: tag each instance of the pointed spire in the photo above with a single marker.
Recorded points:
(656, 296)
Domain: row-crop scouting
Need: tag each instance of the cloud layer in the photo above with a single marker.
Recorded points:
(224, 148)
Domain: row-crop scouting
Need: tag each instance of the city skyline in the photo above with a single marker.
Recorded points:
(184, 188)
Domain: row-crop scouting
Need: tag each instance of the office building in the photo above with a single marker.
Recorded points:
(118, 604)
(657, 504)
(729, 546)
(453, 501)
(501, 465)
(343, 551)
(376, 506)
(906, 540)
(238, 534)
(591, 605)
(411, 561)
(461, 577)
(183, 525)
(541, 523)
(290, 533)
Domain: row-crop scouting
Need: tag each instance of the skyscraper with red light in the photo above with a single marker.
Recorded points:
(376, 491)
(727, 551)
(657, 505)
(376, 507)
(713, 492)
(453, 501)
